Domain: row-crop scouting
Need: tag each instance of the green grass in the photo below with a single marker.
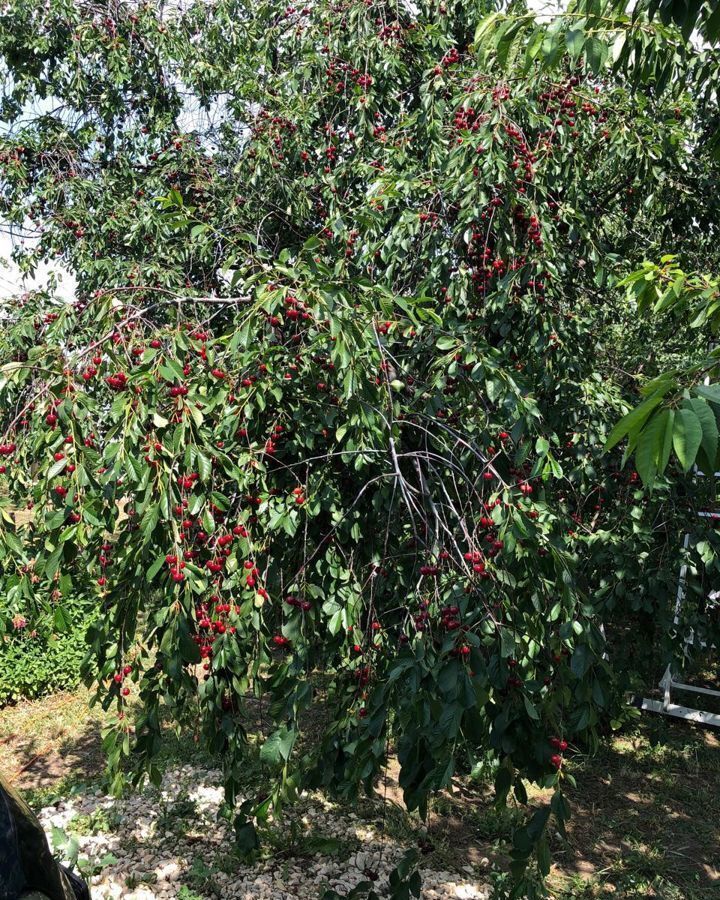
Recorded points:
(97, 822)
(186, 894)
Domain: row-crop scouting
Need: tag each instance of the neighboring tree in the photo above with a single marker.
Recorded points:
(325, 423)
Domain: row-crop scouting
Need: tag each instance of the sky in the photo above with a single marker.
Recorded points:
(12, 281)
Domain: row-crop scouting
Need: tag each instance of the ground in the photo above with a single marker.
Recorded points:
(646, 821)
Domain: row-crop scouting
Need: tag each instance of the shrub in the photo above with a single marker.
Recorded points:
(37, 662)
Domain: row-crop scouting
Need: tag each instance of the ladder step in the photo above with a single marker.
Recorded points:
(681, 712)
(678, 685)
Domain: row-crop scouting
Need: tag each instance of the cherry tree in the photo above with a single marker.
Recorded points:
(324, 426)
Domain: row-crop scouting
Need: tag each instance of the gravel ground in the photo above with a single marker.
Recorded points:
(170, 844)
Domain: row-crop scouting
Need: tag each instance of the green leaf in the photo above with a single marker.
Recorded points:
(530, 708)
(155, 568)
(708, 422)
(150, 519)
(544, 857)
(204, 465)
(687, 437)
(581, 660)
(60, 619)
(65, 845)
(575, 40)
(56, 468)
(503, 783)
(651, 446)
(507, 643)
(246, 837)
(596, 53)
(189, 650)
(196, 414)
(710, 392)
(560, 807)
(631, 423)
(278, 746)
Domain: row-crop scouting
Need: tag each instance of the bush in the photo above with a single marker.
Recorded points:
(35, 663)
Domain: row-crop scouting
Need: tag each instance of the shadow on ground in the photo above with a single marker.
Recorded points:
(645, 819)
(50, 741)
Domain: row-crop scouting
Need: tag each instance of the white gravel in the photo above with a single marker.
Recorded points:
(173, 845)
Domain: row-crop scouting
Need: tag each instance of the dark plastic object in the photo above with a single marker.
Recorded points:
(27, 866)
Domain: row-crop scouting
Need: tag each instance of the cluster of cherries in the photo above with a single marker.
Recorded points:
(104, 561)
(117, 381)
(468, 119)
(561, 745)
(120, 676)
(6, 450)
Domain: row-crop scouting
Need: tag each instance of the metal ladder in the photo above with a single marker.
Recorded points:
(665, 706)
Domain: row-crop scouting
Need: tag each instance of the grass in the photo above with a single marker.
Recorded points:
(49, 744)
(97, 822)
(646, 820)
(186, 894)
